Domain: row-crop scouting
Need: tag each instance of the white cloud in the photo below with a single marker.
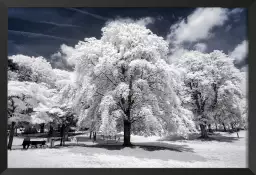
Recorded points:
(200, 47)
(198, 25)
(228, 27)
(244, 69)
(142, 21)
(240, 52)
(145, 21)
(55, 55)
(60, 59)
(236, 10)
(176, 54)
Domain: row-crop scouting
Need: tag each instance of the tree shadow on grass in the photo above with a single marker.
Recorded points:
(147, 146)
(195, 136)
(149, 150)
(156, 146)
(157, 150)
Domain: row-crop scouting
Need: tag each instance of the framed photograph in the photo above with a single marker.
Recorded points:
(127, 87)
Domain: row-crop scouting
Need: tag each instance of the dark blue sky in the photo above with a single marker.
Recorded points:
(41, 31)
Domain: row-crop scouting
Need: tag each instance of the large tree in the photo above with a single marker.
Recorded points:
(204, 75)
(124, 77)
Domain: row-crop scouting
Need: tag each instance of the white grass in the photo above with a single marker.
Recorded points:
(228, 152)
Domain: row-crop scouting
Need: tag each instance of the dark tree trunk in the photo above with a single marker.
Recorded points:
(67, 130)
(232, 126)
(210, 128)
(16, 131)
(62, 131)
(90, 135)
(94, 136)
(11, 136)
(59, 128)
(216, 127)
(42, 128)
(225, 130)
(204, 134)
(50, 131)
(127, 133)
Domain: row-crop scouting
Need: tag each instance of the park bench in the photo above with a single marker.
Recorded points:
(27, 142)
(51, 140)
(79, 139)
(115, 138)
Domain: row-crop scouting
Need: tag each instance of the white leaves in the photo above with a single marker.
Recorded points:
(106, 104)
(23, 96)
(124, 76)
(127, 53)
(41, 69)
(40, 117)
(208, 75)
(122, 90)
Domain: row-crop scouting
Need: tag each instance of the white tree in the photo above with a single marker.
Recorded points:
(23, 98)
(124, 76)
(204, 74)
(30, 87)
(229, 108)
(35, 69)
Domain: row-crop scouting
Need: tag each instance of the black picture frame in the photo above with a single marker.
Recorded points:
(4, 4)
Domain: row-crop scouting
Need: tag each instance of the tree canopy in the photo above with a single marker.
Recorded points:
(124, 81)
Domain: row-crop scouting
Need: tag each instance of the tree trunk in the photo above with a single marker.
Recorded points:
(11, 136)
(90, 135)
(42, 128)
(216, 127)
(127, 133)
(59, 128)
(62, 134)
(16, 131)
(210, 128)
(225, 130)
(232, 126)
(203, 131)
(94, 136)
(66, 133)
(50, 131)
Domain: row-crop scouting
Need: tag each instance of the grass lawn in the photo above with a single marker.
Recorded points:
(225, 150)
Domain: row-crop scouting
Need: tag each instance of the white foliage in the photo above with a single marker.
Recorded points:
(27, 95)
(203, 72)
(124, 70)
(41, 69)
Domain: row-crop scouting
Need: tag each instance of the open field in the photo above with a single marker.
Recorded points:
(226, 150)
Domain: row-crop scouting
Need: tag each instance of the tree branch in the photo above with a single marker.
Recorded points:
(105, 75)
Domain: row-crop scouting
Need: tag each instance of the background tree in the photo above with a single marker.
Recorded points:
(23, 98)
(29, 86)
(204, 74)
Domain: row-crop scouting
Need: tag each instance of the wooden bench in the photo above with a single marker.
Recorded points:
(51, 140)
(80, 139)
(115, 138)
(33, 143)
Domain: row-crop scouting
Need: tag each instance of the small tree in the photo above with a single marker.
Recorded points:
(65, 118)
(23, 98)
